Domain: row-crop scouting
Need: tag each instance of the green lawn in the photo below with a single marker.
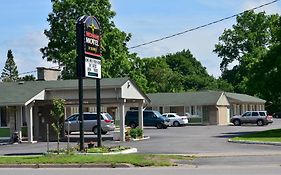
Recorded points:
(134, 159)
(262, 136)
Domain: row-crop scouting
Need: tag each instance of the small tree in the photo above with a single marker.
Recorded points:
(58, 113)
(10, 72)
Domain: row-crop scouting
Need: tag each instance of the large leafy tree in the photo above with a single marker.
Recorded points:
(160, 77)
(62, 37)
(10, 72)
(194, 75)
(174, 73)
(265, 80)
(250, 38)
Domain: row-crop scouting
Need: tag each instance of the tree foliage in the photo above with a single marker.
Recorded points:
(57, 114)
(245, 43)
(174, 73)
(62, 37)
(10, 72)
(27, 78)
(265, 80)
(254, 42)
(170, 73)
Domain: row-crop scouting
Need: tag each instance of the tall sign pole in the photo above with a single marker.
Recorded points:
(89, 64)
(80, 62)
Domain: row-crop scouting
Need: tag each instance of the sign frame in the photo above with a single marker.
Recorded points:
(88, 45)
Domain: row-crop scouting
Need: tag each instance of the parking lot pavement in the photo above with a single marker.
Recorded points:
(199, 140)
(204, 140)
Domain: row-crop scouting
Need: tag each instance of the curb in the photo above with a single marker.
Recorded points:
(121, 165)
(255, 142)
(144, 138)
(127, 151)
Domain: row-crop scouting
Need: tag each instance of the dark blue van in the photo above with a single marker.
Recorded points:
(150, 118)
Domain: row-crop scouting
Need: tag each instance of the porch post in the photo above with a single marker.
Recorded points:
(140, 114)
(122, 121)
(29, 120)
(19, 121)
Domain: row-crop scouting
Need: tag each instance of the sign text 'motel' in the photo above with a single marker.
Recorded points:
(91, 51)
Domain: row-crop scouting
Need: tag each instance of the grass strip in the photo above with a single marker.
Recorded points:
(261, 136)
(134, 159)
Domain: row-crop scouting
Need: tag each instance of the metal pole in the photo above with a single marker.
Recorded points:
(81, 118)
(68, 139)
(48, 146)
(80, 57)
(98, 111)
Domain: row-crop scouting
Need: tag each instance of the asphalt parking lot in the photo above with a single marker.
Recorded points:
(209, 140)
(202, 140)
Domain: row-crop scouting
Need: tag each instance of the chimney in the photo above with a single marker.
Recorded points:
(47, 74)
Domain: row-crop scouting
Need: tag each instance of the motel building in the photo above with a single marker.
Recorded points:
(25, 106)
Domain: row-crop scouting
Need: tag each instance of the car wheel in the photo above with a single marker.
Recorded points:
(260, 123)
(159, 126)
(176, 123)
(165, 126)
(237, 122)
(133, 125)
(103, 132)
(95, 130)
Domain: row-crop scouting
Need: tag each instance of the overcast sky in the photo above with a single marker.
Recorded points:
(23, 23)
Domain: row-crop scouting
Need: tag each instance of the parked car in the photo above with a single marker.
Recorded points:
(277, 115)
(90, 123)
(176, 120)
(150, 118)
(255, 117)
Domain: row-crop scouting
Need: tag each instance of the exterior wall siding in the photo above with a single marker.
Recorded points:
(222, 115)
(213, 115)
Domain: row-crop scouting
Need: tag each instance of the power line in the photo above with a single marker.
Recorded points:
(202, 26)
(29, 72)
(23, 73)
(181, 33)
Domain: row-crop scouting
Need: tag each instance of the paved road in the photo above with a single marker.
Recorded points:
(254, 170)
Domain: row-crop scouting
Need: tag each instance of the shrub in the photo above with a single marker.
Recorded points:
(139, 132)
(136, 133)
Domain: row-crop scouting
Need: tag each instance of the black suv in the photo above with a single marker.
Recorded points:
(150, 118)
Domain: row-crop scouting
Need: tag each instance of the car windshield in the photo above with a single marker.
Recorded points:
(157, 114)
(72, 118)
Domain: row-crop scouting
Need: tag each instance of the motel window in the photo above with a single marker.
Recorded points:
(192, 110)
(161, 110)
(173, 109)
(199, 110)
(3, 117)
